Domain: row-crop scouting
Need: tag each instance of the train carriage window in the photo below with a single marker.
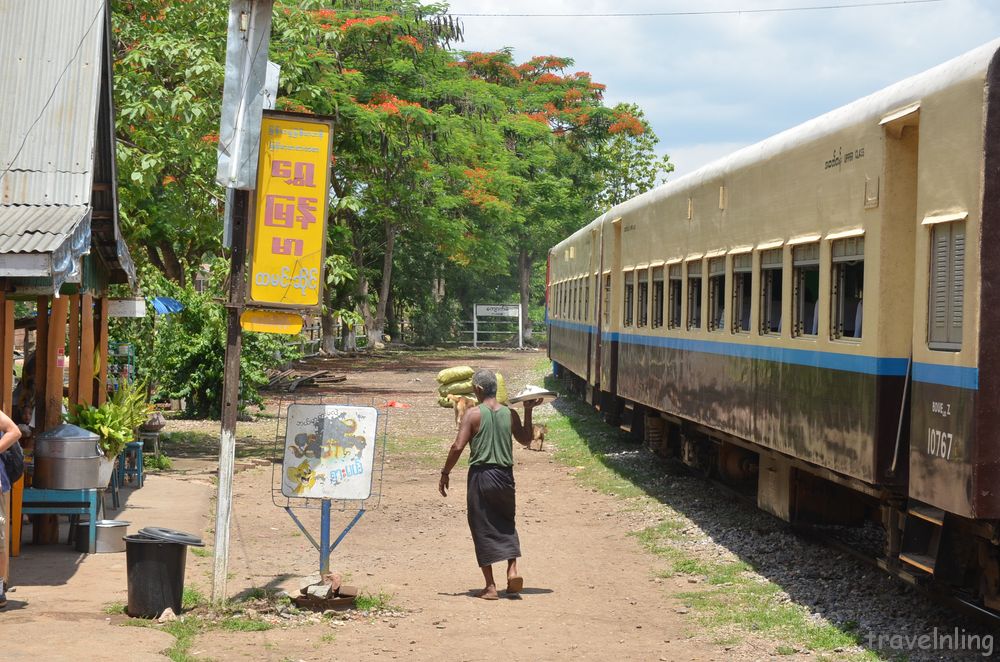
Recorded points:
(586, 299)
(627, 300)
(947, 286)
(717, 294)
(805, 282)
(848, 279)
(642, 300)
(770, 278)
(674, 320)
(657, 297)
(694, 294)
(606, 306)
(742, 291)
(576, 298)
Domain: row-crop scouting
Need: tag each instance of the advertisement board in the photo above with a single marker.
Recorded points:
(289, 229)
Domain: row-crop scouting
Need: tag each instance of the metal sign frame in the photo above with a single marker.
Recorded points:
(481, 310)
(354, 509)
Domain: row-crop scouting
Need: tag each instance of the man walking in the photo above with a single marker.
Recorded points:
(490, 499)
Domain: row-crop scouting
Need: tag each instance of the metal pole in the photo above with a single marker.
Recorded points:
(230, 394)
(520, 329)
(475, 327)
(324, 538)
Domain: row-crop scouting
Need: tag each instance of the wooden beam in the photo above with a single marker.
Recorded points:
(6, 405)
(54, 372)
(73, 349)
(41, 355)
(101, 393)
(85, 387)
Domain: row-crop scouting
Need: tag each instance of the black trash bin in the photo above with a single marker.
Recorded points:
(155, 559)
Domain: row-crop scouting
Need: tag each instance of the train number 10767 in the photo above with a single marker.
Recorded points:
(939, 444)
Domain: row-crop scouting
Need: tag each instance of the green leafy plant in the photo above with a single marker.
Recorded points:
(116, 420)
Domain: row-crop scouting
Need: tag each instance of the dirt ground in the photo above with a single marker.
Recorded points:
(591, 591)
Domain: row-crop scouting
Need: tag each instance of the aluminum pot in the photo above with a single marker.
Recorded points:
(68, 458)
(110, 535)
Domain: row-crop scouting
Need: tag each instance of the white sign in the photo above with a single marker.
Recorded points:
(329, 452)
(501, 310)
(126, 307)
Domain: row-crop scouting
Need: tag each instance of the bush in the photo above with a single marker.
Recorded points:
(434, 322)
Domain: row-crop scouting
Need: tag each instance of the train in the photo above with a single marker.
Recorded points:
(815, 319)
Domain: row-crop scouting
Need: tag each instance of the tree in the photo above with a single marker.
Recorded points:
(631, 165)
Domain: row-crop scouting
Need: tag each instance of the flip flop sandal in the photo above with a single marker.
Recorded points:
(515, 584)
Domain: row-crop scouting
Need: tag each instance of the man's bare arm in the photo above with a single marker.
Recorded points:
(11, 433)
(465, 432)
(522, 432)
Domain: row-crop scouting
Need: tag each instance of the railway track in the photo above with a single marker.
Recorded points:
(815, 535)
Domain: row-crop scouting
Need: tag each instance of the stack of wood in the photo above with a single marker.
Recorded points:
(290, 379)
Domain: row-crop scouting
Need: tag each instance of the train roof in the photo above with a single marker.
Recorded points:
(870, 108)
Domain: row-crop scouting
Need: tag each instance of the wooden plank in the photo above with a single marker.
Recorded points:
(101, 387)
(86, 376)
(73, 349)
(6, 405)
(54, 372)
(41, 352)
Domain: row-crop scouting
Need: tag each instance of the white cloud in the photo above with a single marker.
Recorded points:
(706, 82)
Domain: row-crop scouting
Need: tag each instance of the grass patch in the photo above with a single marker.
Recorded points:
(201, 552)
(184, 631)
(425, 451)
(732, 596)
(244, 624)
(373, 601)
(115, 608)
(156, 462)
(192, 598)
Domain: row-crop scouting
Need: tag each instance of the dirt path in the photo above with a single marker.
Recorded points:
(590, 590)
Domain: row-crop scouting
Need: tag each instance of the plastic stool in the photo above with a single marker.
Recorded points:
(133, 452)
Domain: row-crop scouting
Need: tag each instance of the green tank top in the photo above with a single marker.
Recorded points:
(492, 444)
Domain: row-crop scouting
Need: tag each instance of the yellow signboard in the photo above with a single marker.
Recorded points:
(286, 266)
(271, 321)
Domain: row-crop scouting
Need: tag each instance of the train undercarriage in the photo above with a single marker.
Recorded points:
(956, 558)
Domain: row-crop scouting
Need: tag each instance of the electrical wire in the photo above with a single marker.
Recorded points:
(698, 12)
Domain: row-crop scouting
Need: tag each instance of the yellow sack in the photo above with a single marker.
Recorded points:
(501, 389)
(456, 374)
(456, 388)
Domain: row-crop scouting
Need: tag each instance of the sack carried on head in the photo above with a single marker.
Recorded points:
(456, 374)
(456, 388)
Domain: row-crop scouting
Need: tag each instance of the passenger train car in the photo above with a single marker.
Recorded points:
(817, 317)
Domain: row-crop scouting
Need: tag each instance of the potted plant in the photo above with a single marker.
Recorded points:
(115, 421)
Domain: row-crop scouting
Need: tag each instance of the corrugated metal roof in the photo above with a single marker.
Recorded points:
(50, 66)
(29, 229)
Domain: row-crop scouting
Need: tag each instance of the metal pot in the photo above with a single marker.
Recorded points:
(68, 458)
(110, 535)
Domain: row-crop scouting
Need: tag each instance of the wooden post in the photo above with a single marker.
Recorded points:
(6, 405)
(230, 394)
(101, 392)
(85, 387)
(73, 349)
(41, 358)
(54, 372)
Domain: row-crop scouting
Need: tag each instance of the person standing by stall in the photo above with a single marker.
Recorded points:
(10, 435)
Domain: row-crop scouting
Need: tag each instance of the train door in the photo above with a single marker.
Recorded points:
(610, 273)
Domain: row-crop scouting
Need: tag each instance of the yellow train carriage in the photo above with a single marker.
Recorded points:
(814, 299)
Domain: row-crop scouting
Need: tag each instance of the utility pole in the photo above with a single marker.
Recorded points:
(247, 44)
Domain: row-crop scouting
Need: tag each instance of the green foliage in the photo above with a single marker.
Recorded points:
(157, 462)
(373, 601)
(631, 166)
(116, 420)
(188, 355)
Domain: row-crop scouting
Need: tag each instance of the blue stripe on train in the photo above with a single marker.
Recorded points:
(957, 376)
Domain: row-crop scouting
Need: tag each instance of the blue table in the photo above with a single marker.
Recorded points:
(64, 502)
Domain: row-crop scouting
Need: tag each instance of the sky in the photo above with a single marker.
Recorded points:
(710, 84)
